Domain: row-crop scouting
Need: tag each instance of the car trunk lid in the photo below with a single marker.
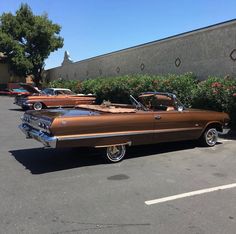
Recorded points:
(55, 113)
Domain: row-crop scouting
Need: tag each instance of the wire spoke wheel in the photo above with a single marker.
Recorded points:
(210, 137)
(115, 153)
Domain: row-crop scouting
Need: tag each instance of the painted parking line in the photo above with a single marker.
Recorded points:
(190, 194)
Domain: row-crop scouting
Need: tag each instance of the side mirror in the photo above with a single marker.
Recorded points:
(180, 108)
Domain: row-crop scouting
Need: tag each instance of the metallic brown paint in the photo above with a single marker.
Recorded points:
(91, 128)
(61, 100)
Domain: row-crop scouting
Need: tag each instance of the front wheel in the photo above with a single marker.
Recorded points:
(115, 153)
(37, 106)
(209, 137)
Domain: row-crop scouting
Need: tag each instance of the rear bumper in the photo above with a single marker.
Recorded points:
(44, 138)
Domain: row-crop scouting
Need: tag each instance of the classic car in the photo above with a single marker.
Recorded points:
(51, 97)
(154, 118)
(14, 92)
(5, 92)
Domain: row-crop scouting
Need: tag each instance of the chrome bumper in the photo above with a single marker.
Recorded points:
(48, 141)
(26, 104)
(22, 104)
(225, 131)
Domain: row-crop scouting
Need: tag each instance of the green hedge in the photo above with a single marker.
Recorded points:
(118, 89)
(73, 85)
(215, 93)
(218, 94)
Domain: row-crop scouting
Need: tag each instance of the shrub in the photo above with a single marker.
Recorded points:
(218, 94)
(181, 85)
(73, 85)
(215, 93)
(118, 89)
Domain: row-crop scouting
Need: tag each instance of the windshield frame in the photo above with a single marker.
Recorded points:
(178, 105)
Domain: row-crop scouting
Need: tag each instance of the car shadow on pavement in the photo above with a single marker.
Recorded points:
(17, 109)
(40, 161)
(161, 148)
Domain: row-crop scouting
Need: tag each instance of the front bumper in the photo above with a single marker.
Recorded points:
(23, 103)
(225, 130)
(27, 105)
(31, 133)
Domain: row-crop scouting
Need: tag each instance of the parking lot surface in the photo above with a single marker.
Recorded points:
(75, 191)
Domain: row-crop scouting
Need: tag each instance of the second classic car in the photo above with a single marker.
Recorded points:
(157, 117)
(51, 97)
(14, 92)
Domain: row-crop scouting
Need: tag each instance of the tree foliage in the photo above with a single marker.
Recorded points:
(27, 40)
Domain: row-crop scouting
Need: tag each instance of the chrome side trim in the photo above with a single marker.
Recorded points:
(117, 134)
(48, 141)
(125, 143)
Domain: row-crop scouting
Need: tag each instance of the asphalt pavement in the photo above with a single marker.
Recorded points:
(75, 191)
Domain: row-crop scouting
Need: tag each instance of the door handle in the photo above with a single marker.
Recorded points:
(157, 117)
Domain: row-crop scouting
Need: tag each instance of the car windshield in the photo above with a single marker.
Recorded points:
(160, 102)
(138, 105)
(49, 91)
(64, 92)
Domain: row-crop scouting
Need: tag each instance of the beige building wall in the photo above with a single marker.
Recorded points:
(207, 51)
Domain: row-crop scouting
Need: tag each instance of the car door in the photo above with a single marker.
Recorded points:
(175, 126)
(59, 99)
(63, 99)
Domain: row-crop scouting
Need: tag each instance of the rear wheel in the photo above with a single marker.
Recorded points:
(115, 153)
(209, 137)
(37, 106)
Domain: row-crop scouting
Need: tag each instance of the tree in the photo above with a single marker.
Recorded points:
(26, 40)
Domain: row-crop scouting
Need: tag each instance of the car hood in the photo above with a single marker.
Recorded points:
(29, 88)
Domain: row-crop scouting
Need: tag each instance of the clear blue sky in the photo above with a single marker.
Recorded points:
(95, 27)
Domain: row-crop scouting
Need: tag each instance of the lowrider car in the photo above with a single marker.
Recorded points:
(157, 117)
(5, 92)
(51, 97)
(14, 92)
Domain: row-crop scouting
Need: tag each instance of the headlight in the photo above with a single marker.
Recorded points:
(24, 101)
(44, 125)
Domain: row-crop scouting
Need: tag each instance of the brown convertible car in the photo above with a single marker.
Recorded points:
(156, 117)
(50, 97)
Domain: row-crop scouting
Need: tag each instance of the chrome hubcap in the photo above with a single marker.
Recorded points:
(38, 106)
(211, 137)
(116, 153)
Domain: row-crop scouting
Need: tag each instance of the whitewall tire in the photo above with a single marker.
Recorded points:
(37, 106)
(115, 153)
